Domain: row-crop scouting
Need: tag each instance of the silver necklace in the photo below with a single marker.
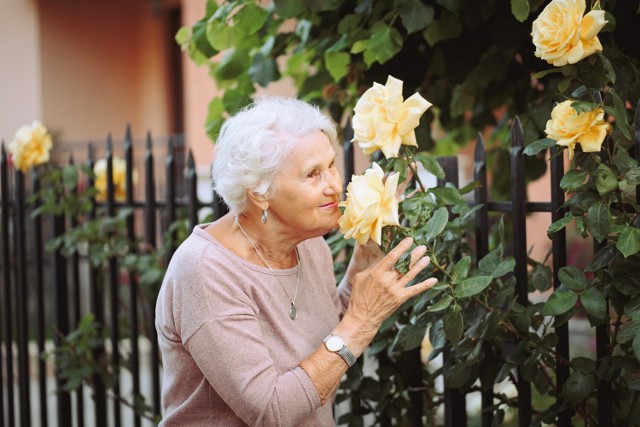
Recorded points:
(293, 311)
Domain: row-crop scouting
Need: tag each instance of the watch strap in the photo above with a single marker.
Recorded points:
(343, 352)
(347, 355)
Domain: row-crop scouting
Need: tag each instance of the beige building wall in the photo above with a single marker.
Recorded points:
(20, 76)
(103, 67)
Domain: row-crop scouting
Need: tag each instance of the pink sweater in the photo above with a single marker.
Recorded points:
(230, 352)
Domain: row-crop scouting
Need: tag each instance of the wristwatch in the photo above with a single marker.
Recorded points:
(335, 344)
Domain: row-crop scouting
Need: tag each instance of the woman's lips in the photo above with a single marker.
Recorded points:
(331, 205)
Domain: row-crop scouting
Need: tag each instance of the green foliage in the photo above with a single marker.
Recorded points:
(98, 238)
(475, 62)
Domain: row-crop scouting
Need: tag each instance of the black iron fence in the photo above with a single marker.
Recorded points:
(44, 295)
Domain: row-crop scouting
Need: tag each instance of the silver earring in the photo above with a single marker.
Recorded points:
(264, 216)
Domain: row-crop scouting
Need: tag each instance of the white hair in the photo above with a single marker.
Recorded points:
(254, 143)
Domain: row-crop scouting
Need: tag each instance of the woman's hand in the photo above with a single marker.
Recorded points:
(379, 290)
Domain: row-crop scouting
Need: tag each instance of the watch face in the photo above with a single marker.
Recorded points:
(334, 343)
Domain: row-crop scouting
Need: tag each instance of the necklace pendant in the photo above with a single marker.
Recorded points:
(293, 313)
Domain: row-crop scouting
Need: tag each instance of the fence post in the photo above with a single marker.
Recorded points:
(192, 191)
(482, 248)
(134, 363)
(40, 307)
(455, 408)
(21, 300)
(76, 294)
(113, 289)
(518, 218)
(96, 303)
(7, 308)
(150, 238)
(61, 314)
(559, 249)
(170, 163)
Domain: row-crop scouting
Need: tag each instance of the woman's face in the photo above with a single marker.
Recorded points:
(308, 189)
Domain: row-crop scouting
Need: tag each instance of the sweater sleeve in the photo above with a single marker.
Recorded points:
(231, 354)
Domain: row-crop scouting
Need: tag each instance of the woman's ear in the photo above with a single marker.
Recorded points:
(257, 199)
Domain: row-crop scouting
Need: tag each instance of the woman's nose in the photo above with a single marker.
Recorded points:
(334, 184)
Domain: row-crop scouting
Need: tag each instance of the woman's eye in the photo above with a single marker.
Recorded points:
(313, 174)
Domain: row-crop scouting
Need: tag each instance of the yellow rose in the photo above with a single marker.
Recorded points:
(31, 146)
(568, 128)
(385, 121)
(119, 178)
(563, 36)
(371, 204)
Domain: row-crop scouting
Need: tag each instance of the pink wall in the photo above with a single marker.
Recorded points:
(103, 66)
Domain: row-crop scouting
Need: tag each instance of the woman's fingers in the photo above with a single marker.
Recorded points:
(416, 254)
(419, 288)
(394, 254)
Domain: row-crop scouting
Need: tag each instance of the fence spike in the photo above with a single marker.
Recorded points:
(478, 153)
(127, 137)
(109, 150)
(149, 142)
(516, 133)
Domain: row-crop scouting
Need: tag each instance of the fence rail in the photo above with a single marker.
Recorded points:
(45, 295)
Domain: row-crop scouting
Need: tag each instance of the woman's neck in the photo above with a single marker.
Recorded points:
(266, 242)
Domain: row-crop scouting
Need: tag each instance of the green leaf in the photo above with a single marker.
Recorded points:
(628, 241)
(263, 70)
(381, 46)
(506, 266)
(561, 301)
(636, 346)
(182, 37)
(629, 331)
(70, 177)
(458, 376)
(250, 18)
(621, 111)
(541, 277)
(632, 308)
(520, 9)
(289, 8)
(431, 165)
(598, 221)
(584, 106)
(606, 180)
(410, 337)
(462, 100)
(444, 302)
(437, 223)
(623, 161)
(559, 224)
(453, 327)
(578, 387)
(489, 262)
(572, 278)
(471, 286)
(337, 63)
(602, 258)
(447, 195)
(415, 15)
(234, 63)
(222, 36)
(573, 179)
(632, 176)
(537, 146)
(445, 28)
(594, 302)
(461, 269)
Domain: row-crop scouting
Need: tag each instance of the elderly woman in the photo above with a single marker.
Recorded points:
(252, 327)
